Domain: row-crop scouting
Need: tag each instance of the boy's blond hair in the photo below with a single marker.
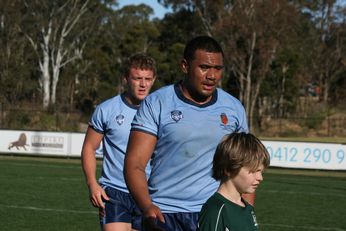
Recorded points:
(139, 61)
(238, 150)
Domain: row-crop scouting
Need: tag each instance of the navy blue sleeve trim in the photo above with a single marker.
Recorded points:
(93, 128)
(144, 131)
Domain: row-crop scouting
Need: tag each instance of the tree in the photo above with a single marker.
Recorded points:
(49, 27)
(332, 47)
(209, 12)
(119, 33)
(136, 32)
(253, 33)
(175, 30)
(16, 76)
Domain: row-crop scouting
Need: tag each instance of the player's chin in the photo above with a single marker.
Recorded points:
(141, 95)
(251, 189)
(208, 90)
(206, 94)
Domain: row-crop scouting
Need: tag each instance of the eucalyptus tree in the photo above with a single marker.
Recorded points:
(254, 33)
(251, 33)
(176, 29)
(328, 16)
(16, 75)
(119, 33)
(49, 26)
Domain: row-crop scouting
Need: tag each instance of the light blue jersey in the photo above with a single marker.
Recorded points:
(187, 136)
(113, 118)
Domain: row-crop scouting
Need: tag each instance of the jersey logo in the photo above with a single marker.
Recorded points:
(228, 124)
(120, 119)
(176, 115)
(224, 118)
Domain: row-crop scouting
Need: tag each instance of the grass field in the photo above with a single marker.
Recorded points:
(50, 194)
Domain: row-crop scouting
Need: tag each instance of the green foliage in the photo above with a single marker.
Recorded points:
(287, 34)
(18, 119)
(282, 81)
(42, 120)
(315, 120)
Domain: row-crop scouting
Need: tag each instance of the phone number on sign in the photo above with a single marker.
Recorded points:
(306, 155)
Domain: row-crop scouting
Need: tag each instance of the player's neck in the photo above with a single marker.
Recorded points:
(228, 191)
(190, 94)
(131, 100)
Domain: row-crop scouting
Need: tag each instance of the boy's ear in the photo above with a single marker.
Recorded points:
(184, 66)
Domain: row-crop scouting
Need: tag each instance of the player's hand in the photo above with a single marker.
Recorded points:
(152, 215)
(97, 195)
(152, 211)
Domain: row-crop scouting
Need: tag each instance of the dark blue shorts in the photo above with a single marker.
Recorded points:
(173, 222)
(121, 208)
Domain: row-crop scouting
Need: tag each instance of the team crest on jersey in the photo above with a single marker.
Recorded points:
(224, 118)
(120, 119)
(176, 115)
(228, 124)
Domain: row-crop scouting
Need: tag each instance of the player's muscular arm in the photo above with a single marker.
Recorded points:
(139, 150)
(90, 145)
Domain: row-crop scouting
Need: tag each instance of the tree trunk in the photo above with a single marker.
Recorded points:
(248, 88)
(44, 66)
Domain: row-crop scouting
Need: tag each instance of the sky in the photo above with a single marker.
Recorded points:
(159, 10)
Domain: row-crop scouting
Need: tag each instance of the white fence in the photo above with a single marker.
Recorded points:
(303, 155)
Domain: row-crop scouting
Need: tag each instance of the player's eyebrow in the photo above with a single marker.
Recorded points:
(211, 66)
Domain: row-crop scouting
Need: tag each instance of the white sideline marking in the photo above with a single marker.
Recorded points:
(303, 227)
(44, 165)
(60, 178)
(306, 193)
(47, 209)
(49, 178)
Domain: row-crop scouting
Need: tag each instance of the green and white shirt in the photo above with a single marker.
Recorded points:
(220, 214)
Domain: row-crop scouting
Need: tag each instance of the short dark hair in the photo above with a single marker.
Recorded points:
(140, 61)
(238, 150)
(205, 43)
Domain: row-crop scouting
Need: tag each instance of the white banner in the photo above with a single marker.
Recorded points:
(77, 140)
(282, 154)
(48, 143)
(306, 155)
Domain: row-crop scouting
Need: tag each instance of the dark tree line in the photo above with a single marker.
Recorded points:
(68, 53)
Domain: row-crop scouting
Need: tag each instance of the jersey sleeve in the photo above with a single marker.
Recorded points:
(211, 218)
(147, 116)
(243, 125)
(97, 121)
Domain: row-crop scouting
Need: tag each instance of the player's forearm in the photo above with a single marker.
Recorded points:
(137, 184)
(89, 167)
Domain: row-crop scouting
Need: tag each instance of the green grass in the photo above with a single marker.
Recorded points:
(296, 200)
(50, 194)
(44, 194)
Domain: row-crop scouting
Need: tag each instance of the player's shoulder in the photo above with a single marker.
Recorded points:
(110, 101)
(226, 97)
(161, 94)
(214, 203)
(109, 105)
